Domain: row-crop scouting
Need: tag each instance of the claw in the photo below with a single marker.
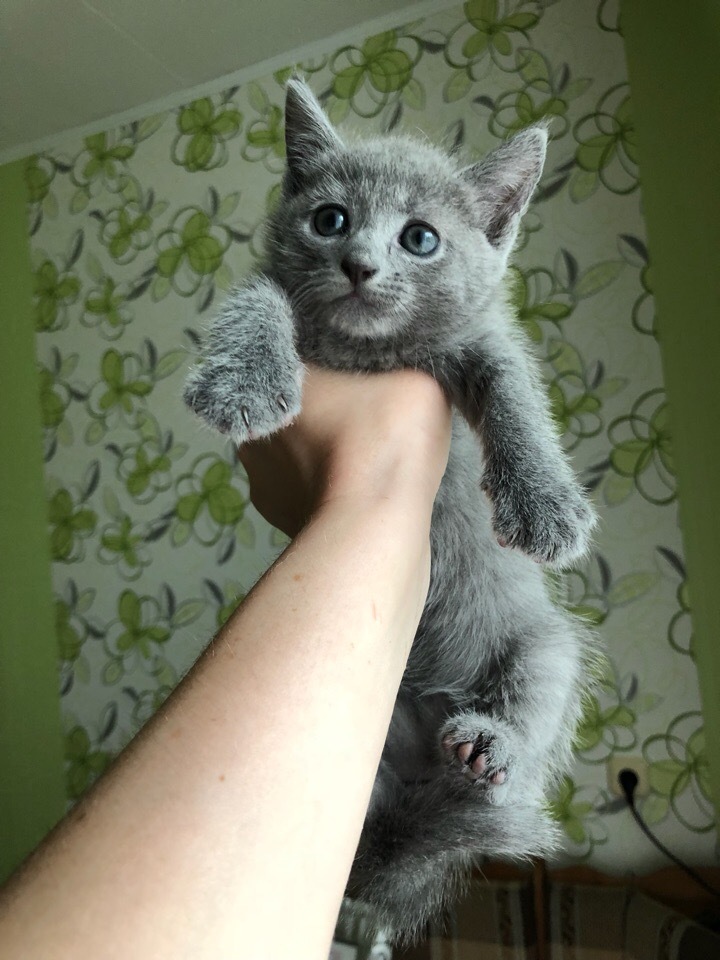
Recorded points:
(282, 403)
(245, 415)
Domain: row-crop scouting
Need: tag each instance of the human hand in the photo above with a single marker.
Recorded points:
(358, 436)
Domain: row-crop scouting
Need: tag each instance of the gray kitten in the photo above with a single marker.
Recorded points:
(383, 254)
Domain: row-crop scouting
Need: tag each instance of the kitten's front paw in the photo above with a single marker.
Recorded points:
(249, 384)
(242, 402)
(550, 523)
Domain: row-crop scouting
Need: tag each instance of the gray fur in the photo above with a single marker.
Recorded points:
(496, 663)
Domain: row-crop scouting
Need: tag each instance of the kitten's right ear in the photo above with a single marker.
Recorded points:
(308, 131)
(505, 181)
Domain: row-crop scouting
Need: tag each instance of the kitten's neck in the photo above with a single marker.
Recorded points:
(340, 351)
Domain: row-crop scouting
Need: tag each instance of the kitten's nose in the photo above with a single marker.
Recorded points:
(356, 271)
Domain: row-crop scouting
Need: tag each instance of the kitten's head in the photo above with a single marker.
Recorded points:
(383, 236)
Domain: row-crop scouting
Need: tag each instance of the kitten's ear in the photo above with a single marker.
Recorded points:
(505, 181)
(308, 131)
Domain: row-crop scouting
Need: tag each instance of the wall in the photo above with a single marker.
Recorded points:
(135, 235)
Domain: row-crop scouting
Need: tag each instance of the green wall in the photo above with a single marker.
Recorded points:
(673, 53)
(32, 793)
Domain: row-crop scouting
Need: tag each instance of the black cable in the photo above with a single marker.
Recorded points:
(628, 782)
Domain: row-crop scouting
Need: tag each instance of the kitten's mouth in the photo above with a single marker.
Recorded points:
(359, 296)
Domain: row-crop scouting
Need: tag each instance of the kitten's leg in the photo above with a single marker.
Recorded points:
(249, 382)
(418, 844)
(517, 738)
(422, 835)
(538, 504)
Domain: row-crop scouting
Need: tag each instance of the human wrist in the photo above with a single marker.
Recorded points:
(391, 464)
(357, 439)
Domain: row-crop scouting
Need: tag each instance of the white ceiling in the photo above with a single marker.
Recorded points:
(74, 63)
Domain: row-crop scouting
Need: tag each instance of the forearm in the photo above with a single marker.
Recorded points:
(169, 857)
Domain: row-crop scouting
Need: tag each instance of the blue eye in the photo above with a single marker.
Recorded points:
(330, 221)
(419, 239)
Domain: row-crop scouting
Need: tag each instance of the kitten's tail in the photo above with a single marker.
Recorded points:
(416, 855)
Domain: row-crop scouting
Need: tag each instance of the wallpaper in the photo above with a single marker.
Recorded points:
(137, 233)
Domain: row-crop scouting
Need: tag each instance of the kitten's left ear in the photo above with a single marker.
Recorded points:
(308, 131)
(505, 181)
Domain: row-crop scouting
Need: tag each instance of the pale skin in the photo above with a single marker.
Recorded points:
(227, 829)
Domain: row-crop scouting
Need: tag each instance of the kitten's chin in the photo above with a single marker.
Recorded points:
(361, 317)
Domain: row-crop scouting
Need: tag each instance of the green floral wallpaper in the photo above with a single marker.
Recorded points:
(137, 233)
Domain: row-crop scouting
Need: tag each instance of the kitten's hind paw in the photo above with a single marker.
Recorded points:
(481, 749)
(477, 757)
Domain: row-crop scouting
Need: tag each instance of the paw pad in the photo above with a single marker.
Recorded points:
(476, 758)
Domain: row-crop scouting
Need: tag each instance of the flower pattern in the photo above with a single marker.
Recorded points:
(203, 132)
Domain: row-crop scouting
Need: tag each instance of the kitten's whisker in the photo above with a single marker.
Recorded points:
(430, 358)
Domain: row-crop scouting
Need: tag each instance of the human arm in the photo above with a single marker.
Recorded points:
(228, 827)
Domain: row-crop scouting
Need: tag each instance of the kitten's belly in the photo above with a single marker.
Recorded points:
(481, 594)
